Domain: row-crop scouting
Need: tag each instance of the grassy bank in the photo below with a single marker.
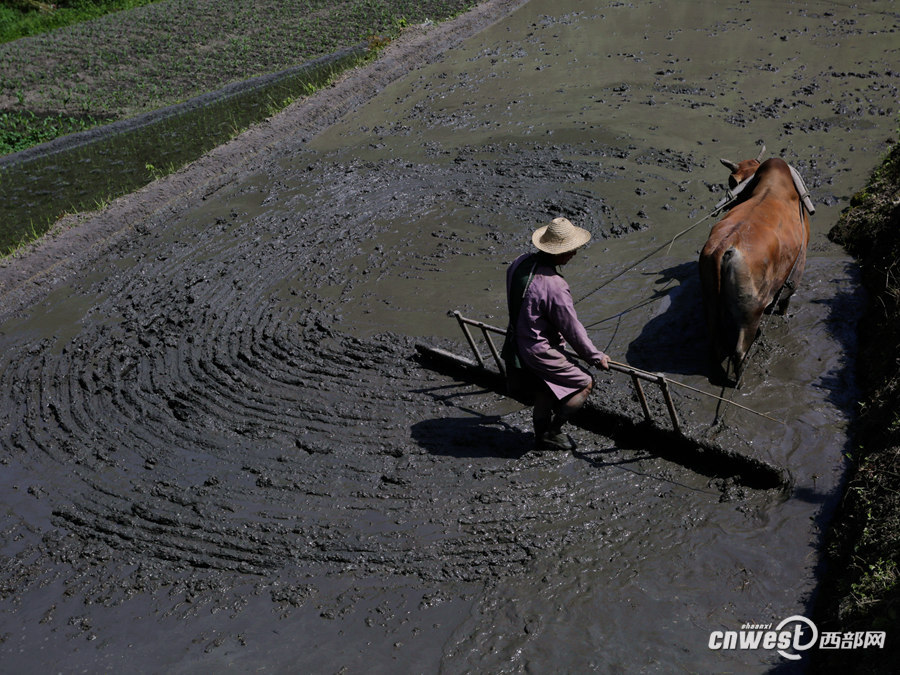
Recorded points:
(862, 585)
(126, 63)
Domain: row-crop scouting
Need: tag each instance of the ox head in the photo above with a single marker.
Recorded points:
(741, 171)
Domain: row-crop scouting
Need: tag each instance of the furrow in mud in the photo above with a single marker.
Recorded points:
(290, 449)
(234, 445)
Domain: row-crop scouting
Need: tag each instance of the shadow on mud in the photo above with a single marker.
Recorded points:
(675, 340)
(486, 436)
(845, 309)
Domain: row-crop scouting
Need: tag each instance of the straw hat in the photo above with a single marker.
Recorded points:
(560, 236)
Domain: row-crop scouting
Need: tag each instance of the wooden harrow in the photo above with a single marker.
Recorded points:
(697, 452)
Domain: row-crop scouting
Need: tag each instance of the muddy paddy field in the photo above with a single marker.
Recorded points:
(220, 451)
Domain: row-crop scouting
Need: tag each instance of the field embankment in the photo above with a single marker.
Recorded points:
(863, 581)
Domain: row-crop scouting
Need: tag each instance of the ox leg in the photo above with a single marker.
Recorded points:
(736, 365)
(709, 284)
(785, 299)
(787, 291)
(736, 359)
(717, 373)
(746, 337)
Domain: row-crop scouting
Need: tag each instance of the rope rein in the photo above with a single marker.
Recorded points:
(651, 375)
(705, 393)
(652, 253)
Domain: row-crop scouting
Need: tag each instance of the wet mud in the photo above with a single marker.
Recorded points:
(220, 448)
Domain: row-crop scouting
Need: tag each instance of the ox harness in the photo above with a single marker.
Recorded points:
(805, 200)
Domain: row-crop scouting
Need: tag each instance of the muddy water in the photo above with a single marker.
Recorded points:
(218, 439)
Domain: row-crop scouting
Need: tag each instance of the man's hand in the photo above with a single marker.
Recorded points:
(602, 362)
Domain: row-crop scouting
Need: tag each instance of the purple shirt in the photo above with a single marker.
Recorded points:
(547, 321)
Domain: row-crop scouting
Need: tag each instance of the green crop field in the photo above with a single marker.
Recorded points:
(150, 55)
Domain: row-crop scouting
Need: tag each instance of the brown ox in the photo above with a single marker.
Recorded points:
(754, 256)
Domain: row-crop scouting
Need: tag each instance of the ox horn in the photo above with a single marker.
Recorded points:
(731, 165)
(761, 153)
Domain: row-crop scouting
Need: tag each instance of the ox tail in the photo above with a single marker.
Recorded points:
(733, 316)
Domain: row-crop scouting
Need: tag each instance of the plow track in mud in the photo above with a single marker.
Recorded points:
(206, 416)
(206, 427)
(281, 447)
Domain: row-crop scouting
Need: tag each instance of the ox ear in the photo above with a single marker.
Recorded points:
(731, 165)
(761, 153)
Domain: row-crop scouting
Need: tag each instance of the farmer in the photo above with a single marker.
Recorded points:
(541, 320)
